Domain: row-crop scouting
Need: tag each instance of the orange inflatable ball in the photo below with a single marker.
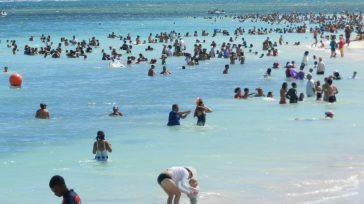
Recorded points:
(15, 79)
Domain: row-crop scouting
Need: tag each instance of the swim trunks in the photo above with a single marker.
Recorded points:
(201, 120)
(332, 99)
(163, 176)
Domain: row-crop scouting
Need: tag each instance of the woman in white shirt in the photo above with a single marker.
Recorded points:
(173, 181)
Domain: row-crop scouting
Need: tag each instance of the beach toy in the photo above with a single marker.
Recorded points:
(15, 79)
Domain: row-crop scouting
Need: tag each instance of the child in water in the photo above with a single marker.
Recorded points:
(194, 190)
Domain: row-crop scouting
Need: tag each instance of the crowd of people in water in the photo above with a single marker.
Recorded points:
(175, 180)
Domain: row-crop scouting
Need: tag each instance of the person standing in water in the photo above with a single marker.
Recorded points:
(310, 86)
(101, 147)
(331, 91)
(200, 112)
(341, 46)
(226, 69)
(292, 93)
(283, 93)
(42, 113)
(333, 46)
(151, 71)
(175, 116)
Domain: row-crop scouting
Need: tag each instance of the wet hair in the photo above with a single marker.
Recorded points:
(269, 70)
(329, 81)
(246, 90)
(56, 181)
(43, 105)
(174, 106)
(284, 85)
(294, 84)
(237, 89)
(100, 135)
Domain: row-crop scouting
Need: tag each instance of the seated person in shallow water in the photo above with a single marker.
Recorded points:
(116, 112)
(259, 92)
(165, 71)
(238, 94)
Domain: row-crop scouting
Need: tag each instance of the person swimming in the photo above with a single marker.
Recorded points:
(329, 114)
(116, 112)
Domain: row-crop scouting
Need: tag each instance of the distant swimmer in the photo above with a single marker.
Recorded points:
(175, 116)
(165, 71)
(101, 147)
(268, 73)
(116, 112)
(259, 92)
(6, 69)
(354, 75)
(42, 113)
(238, 94)
(328, 115)
(59, 188)
(226, 69)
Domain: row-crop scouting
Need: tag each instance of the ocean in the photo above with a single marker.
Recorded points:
(250, 151)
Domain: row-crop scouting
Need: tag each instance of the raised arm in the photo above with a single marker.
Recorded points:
(108, 147)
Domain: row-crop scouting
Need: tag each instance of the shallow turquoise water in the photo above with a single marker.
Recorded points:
(251, 151)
